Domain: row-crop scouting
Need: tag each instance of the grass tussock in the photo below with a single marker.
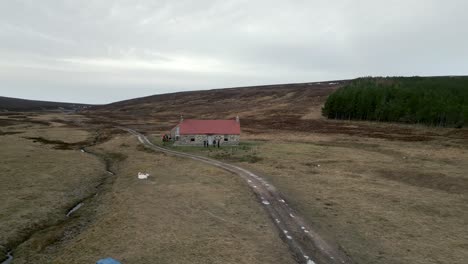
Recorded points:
(58, 144)
(6, 133)
(431, 180)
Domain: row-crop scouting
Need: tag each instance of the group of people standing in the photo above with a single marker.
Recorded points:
(166, 138)
(206, 143)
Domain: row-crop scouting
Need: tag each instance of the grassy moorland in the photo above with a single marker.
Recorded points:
(185, 212)
(41, 177)
(24, 105)
(436, 101)
(385, 192)
(383, 201)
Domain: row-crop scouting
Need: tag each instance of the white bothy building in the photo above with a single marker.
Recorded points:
(193, 132)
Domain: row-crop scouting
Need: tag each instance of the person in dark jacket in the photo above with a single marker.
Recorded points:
(218, 142)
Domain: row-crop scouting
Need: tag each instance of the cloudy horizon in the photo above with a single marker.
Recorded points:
(106, 51)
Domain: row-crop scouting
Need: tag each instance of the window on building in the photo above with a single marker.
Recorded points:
(192, 139)
(226, 138)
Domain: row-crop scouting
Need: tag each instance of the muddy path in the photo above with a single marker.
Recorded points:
(304, 243)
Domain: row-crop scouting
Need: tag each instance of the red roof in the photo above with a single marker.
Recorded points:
(220, 127)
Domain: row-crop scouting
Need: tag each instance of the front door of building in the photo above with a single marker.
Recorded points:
(210, 140)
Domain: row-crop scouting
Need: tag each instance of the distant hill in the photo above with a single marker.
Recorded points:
(16, 104)
(289, 108)
(258, 106)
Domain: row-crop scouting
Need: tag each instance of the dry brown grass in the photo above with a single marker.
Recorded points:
(391, 193)
(267, 103)
(386, 193)
(185, 212)
(38, 183)
(382, 201)
(377, 184)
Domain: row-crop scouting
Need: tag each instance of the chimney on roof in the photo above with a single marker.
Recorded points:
(237, 119)
(181, 118)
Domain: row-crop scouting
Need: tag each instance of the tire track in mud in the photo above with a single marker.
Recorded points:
(304, 243)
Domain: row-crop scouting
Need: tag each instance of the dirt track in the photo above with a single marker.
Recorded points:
(305, 244)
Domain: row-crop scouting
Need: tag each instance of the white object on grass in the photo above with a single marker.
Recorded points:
(143, 176)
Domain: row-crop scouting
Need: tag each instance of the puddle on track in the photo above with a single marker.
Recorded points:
(9, 258)
(76, 207)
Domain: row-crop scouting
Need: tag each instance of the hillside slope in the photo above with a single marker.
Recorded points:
(16, 104)
(288, 108)
(257, 106)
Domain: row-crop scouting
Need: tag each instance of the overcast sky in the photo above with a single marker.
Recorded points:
(102, 51)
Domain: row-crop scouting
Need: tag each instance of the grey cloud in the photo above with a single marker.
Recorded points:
(101, 51)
